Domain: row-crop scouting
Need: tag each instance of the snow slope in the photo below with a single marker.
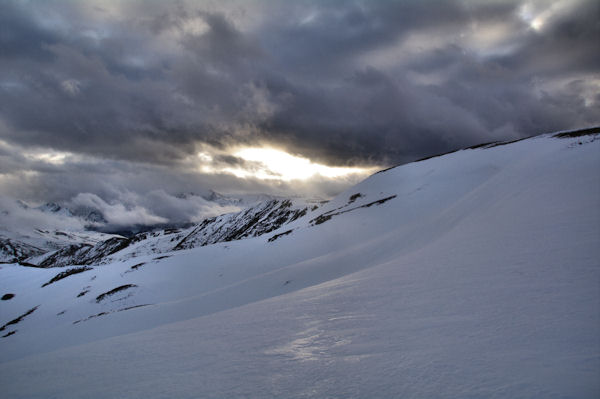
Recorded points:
(474, 274)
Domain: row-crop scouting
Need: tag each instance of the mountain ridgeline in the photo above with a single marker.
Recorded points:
(257, 220)
(93, 248)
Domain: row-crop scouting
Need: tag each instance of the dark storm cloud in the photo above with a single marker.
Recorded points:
(20, 36)
(383, 113)
(569, 44)
(328, 38)
(142, 86)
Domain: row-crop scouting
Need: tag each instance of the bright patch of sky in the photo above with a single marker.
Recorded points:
(274, 164)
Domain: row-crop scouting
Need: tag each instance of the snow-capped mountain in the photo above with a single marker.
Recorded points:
(53, 207)
(87, 214)
(30, 245)
(46, 247)
(25, 231)
(473, 274)
(240, 200)
(262, 218)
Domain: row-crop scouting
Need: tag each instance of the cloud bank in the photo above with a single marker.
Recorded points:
(147, 99)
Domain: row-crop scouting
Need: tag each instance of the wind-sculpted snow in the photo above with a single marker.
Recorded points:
(473, 274)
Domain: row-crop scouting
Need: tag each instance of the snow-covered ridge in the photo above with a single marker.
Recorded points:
(473, 274)
(30, 246)
(78, 239)
(259, 219)
(28, 232)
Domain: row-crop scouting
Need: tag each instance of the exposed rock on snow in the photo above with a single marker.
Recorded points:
(12, 251)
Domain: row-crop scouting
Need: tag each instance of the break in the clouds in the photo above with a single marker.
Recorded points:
(113, 99)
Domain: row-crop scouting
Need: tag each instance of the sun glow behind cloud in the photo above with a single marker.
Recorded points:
(274, 164)
(538, 13)
(49, 157)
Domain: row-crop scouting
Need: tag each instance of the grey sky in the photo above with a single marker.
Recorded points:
(113, 97)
